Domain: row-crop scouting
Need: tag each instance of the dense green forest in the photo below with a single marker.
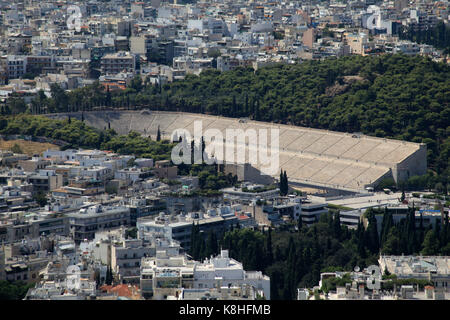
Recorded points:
(392, 96)
(14, 290)
(295, 259)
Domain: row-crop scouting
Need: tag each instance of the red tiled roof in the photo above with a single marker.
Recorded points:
(122, 290)
(241, 216)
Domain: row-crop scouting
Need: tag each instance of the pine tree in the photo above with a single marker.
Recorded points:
(430, 243)
(391, 245)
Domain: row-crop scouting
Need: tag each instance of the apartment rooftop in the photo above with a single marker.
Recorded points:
(410, 266)
(97, 211)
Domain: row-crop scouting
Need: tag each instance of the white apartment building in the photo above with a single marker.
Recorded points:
(225, 271)
(126, 258)
(66, 155)
(94, 172)
(167, 275)
(129, 174)
(406, 47)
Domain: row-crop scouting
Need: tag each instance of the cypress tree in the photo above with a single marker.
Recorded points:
(193, 247)
(278, 254)
(246, 104)
(286, 184)
(284, 188)
(360, 240)
(192, 151)
(337, 225)
(211, 247)
(109, 275)
(257, 116)
(158, 135)
(234, 110)
(281, 185)
(214, 244)
(372, 241)
(386, 226)
(108, 97)
(300, 223)
(437, 232)
(269, 250)
(202, 249)
(291, 261)
(203, 146)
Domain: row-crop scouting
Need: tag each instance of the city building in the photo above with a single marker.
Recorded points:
(167, 275)
(85, 223)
